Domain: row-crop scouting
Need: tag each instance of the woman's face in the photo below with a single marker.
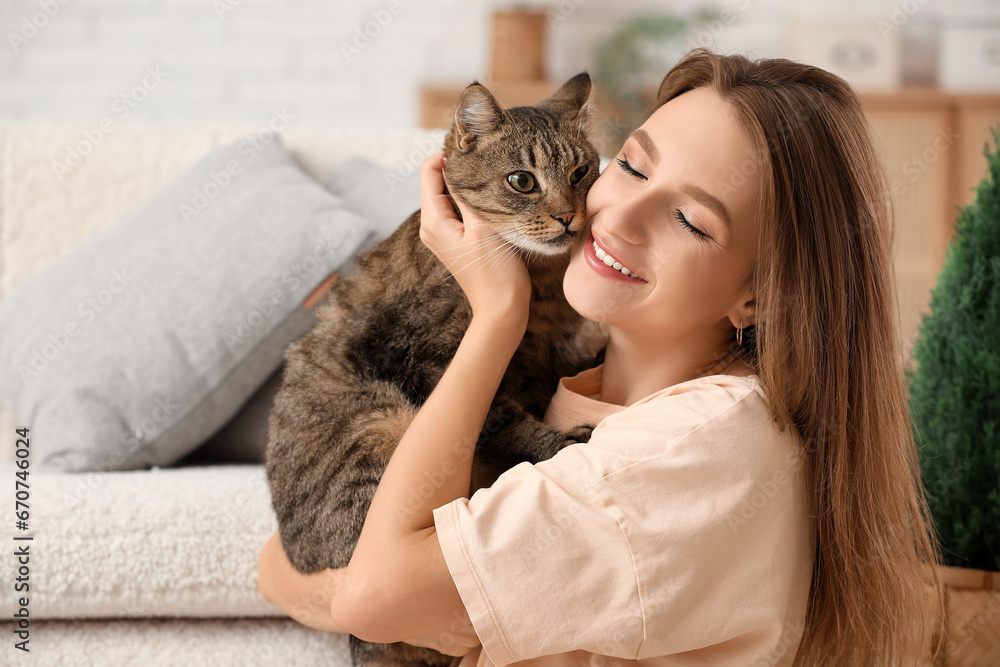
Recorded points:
(676, 208)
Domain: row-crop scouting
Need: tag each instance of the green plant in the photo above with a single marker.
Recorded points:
(955, 387)
(633, 59)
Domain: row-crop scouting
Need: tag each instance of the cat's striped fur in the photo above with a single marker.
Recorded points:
(388, 329)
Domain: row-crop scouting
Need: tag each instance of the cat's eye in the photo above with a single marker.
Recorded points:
(578, 175)
(521, 181)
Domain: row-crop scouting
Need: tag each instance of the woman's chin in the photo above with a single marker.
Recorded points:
(583, 295)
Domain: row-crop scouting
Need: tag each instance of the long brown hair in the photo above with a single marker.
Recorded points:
(827, 349)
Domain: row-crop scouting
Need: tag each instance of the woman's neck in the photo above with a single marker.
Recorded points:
(632, 370)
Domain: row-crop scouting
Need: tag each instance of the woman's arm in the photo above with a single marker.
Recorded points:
(304, 597)
(397, 585)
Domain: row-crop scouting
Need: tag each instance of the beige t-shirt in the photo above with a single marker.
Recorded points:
(678, 535)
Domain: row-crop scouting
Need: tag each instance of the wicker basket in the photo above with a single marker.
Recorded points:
(973, 623)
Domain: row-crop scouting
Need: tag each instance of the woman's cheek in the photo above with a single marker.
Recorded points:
(600, 193)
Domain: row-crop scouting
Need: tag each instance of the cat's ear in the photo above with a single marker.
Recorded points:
(477, 114)
(572, 101)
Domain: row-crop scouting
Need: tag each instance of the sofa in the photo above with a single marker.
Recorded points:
(149, 561)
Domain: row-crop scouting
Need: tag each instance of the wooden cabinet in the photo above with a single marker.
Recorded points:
(931, 143)
(932, 146)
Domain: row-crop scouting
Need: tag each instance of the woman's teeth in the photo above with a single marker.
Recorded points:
(610, 261)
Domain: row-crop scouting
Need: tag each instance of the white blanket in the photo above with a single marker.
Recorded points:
(161, 543)
(176, 643)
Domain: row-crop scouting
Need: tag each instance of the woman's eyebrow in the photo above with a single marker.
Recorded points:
(708, 200)
(644, 140)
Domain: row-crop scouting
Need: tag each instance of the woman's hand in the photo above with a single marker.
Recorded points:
(487, 267)
(304, 597)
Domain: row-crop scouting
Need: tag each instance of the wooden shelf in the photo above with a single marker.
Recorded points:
(438, 101)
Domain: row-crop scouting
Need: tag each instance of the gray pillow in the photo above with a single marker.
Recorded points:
(385, 198)
(243, 439)
(134, 348)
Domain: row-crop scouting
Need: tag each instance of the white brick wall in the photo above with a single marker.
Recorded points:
(287, 53)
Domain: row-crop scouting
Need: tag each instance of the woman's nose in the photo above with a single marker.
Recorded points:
(623, 217)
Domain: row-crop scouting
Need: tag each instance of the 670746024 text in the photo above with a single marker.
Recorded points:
(22, 542)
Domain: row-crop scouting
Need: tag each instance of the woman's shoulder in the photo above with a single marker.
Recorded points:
(709, 395)
(721, 416)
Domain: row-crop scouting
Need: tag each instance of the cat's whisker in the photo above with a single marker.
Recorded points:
(511, 252)
(479, 258)
(462, 245)
(505, 250)
(509, 258)
(476, 245)
(529, 257)
(506, 247)
(504, 243)
(480, 244)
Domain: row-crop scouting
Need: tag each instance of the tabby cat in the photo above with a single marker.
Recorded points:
(388, 329)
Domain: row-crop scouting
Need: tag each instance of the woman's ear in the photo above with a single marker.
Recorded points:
(750, 312)
(746, 311)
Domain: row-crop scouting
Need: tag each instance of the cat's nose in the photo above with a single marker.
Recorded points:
(566, 217)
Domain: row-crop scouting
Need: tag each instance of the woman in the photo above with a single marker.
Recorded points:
(748, 498)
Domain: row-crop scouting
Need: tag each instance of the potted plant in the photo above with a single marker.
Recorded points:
(632, 60)
(955, 410)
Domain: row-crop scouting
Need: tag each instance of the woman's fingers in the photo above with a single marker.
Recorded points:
(468, 246)
(432, 195)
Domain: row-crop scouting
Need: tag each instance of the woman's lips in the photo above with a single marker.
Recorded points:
(602, 268)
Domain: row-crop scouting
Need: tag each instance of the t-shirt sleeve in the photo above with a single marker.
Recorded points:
(541, 566)
(679, 526)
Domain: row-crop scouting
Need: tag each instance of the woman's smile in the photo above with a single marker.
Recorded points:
(607, 264)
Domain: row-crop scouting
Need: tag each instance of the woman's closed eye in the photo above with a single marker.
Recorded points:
(629, 169)
(687, 225)
(678, 214)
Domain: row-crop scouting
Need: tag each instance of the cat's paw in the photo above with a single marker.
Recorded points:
(577, 434)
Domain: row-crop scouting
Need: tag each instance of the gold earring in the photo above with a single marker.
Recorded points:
(739, 333)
